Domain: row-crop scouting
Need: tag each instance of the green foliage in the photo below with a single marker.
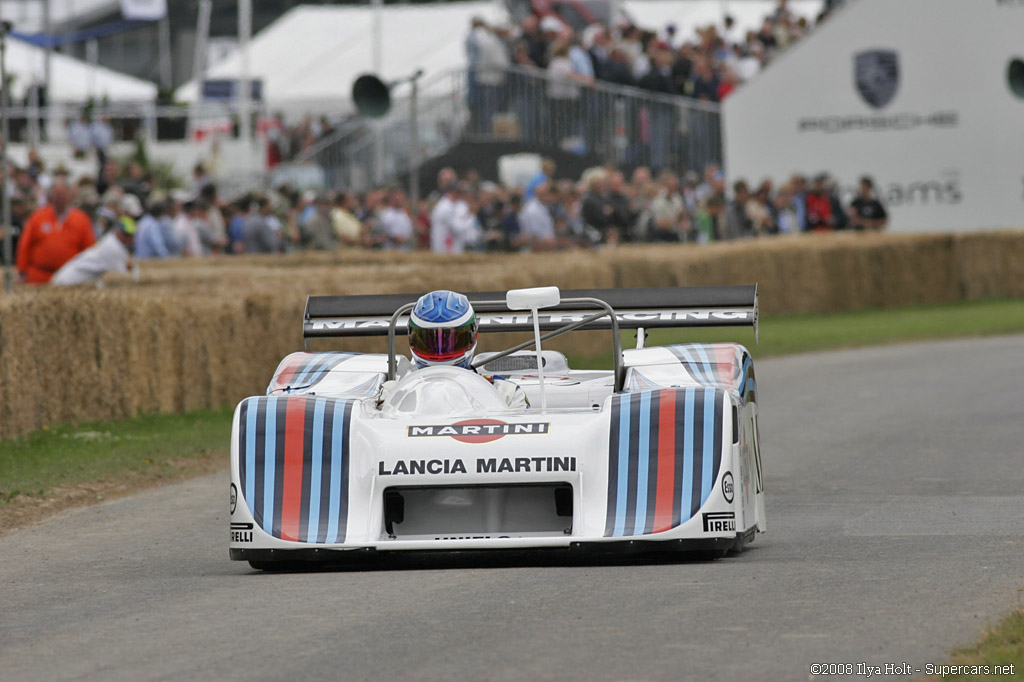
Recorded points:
(1001, 646)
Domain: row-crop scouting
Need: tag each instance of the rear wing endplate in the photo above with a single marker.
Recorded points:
(669, 307)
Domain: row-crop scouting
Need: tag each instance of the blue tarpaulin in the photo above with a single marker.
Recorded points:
(101, 31)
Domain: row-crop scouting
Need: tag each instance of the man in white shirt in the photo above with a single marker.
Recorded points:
(396, 223)
(112, 253)
(536, 226)
(453, 224)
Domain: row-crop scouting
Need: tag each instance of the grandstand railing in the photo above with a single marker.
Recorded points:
(628, 126)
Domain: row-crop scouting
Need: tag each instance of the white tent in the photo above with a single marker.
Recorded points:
(315, 53)
(71, 80)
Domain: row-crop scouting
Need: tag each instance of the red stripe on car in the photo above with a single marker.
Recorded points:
(294, 437)
(666, 461)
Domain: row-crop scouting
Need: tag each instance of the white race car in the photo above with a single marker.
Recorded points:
(659, 453)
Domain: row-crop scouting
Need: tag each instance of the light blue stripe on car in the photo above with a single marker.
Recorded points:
(692, 362)
(313, 527)
(687, 494)
(251, 410)
(709, 445)
(337, 445)
(709, 370)
(310, 370)
(644, 459)
(269, 465)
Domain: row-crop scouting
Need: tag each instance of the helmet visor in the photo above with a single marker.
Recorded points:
(441, 344)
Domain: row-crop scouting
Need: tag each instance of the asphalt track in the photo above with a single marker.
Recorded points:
(895, 483)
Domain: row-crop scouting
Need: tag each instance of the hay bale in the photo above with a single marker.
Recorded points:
(207, 332)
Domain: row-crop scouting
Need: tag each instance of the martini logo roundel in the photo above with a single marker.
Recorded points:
(478, 430)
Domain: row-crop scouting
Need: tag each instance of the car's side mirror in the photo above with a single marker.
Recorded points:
(532, 299)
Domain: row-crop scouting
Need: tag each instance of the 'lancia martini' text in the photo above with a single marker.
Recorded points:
(484, 465)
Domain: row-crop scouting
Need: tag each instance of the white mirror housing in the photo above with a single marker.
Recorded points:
(532, 299)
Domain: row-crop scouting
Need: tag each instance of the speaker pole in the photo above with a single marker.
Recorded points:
(378, 66)
(414, 152)
(5, 26)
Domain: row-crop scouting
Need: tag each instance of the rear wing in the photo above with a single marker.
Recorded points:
(672, 307)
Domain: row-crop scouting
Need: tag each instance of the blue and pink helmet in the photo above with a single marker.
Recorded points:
(443, 330)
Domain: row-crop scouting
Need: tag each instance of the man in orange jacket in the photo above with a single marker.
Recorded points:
(53, 235)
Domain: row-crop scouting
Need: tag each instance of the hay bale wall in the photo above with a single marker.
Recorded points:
(205, 333)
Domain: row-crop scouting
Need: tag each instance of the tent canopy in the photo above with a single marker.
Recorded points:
(71, 80)
(315, 53)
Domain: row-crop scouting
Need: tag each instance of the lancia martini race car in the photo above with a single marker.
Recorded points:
(659, 453)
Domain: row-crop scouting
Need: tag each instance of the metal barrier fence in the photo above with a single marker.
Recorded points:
(628, 126)
(349, 157)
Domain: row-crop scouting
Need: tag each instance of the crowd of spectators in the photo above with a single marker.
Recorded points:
(71, 232)
(707, 63)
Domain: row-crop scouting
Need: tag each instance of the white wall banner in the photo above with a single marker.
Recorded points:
(897, 91)
(144, 10)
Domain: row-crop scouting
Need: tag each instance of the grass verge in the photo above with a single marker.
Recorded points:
(998, 655)
(69, 466)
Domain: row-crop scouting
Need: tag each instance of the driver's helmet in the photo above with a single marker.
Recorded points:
(443, 330)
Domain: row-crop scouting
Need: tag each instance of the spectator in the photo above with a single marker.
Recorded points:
(866, 211)
(596, 210)
(710, 223)
(101, 135)
(397, 223)
(150, 235)
(214, 218)
(109, 174)
(112, 253)
(536, 226)
(186, 232)
(453, 224)
(785, 211)
(240, 212)
(761, 211)
(493, 63)
(598, 46)
(261, 232)
(536, 43)
(53, 235)
(669, 221)
(798, 187)
(842, 220)
(172, 208)
(78, 135)
(704, 83)
(563, 93)
(546, 174)
(737, 221)
(316, 229)
(137, 182)
(345, 221)
(819, 206)
(623, 216)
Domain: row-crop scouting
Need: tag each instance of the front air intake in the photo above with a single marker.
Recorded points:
(477, 512)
